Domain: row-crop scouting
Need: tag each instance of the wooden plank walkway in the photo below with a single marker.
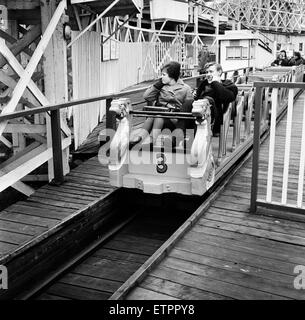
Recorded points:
(101, 274)
(230, 253)
(24, 221)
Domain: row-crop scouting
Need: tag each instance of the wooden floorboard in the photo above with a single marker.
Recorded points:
(119, 257)
(25, 220)
(233, 254)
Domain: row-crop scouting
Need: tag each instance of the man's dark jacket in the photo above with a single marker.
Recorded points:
(222, 93)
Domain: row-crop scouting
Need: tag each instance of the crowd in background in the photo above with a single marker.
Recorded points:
(284, 61)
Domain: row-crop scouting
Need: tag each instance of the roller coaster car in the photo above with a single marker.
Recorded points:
(187, 168)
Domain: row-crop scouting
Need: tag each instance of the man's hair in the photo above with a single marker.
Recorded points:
(218, 66)
(173, 69)
(284, 51)
(297, 54)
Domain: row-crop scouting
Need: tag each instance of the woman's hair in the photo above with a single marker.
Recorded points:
(173, 69)
(283, 51)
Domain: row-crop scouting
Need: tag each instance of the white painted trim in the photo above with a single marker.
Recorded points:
(14, 63)
(287, 146)
(274, 99)
(20, 186)
(25, 128)
(38, 156)
(6, 142)
(93, 22)
(302, 165)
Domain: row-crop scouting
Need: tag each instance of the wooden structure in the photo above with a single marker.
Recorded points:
(30, 139)
(34, 73)
(267, 15)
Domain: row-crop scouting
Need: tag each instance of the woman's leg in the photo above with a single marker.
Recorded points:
(148, 124)
(156, 129)
(146, 128)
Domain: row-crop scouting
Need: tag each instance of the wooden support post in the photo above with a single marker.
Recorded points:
(55, 77)
(256, 146)
(216, 23)
(57, 148)
(21, 44)
(153, 27)
(196, 28)
(139, 25)
(110, 116)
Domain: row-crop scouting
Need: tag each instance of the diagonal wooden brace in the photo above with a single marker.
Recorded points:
(28, 72)
(14, 63)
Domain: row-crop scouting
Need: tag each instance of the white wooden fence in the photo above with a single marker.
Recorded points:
(286, 151)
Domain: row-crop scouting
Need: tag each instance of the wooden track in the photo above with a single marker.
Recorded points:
(100, 275)
(230, 253)
(32, 231)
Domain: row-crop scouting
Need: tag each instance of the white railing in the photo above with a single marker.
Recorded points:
(286, 152)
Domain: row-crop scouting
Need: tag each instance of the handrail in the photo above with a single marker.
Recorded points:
(275, 113)
(58, 106)
(289, 85)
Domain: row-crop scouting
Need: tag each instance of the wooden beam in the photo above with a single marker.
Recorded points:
(20, 186)
(20, 4)
(30, 17)
(35, 177)
(26, 164)
(55, 75)
(6, 142)
(94, 21)
(22, 43)
(7, 37)
(25, 128)
(32, 86)
(26, 76)
(36, 77)
(76, 14)
(11, 83)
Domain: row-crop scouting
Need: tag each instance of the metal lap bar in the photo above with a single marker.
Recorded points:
(163, 114)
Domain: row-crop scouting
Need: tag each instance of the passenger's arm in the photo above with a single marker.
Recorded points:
(152, 93)
(224, 94)
(200, 89)
(189, 95)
